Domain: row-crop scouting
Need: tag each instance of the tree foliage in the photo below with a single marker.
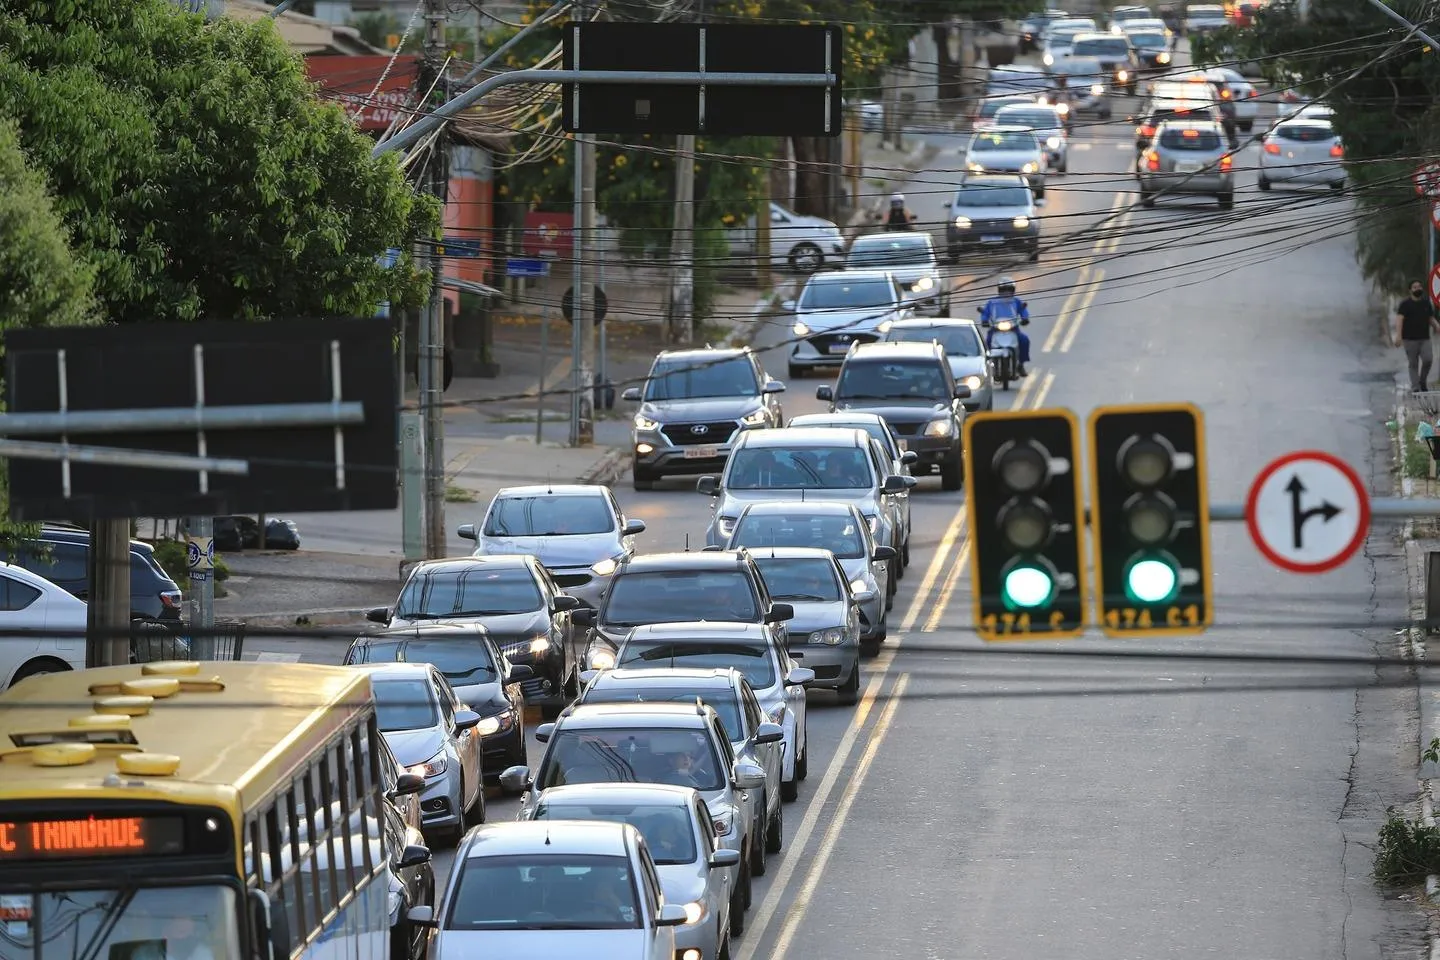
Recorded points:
(1384, 113)
(198, 172)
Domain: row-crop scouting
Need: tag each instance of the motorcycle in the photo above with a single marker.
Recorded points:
(1004, 351)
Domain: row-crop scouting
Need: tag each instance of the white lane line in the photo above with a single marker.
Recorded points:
(956, 575)
(1043, 392)
(1082, 310)
(933, 571)
(1075, 293)
(1082, 147)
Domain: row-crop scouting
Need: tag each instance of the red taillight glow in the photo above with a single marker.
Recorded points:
(1225, 162)
(1152, 161)
(1273, 149)
(1147, 131)
(1337, 151)
(1253, 92)
(1190, 134)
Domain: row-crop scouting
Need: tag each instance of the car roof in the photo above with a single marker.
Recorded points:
(701, 354)
(925, 323)
(658, 715)
(842, 416)
(593, 837)
(79, 535)
(466, 630)
(502, 561)
(549, 489)
(889, 236)
(396, 671)
(846, 276)
(792, 553)
(803, 437)
(688, 560)
(991, 180)
(1198, 124)
(819, 508)
(1003, 128)
(31, 578)
(1097, 35)
(656, 793)
(701, 678)
(894, 349)
(716, 631)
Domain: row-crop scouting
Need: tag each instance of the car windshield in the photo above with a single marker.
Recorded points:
(804, 468)
(694, 379)
(752, 659)
(545, 892)
(875, 428)
(404, 705)
(549, 516)
(682, 757)
(1107, 47)
(837, 533)
(846, 294)
(991, 107)
(1182, 139)
(958, 341)
(1035, 119)
(800, 579)
(676, 596)
(1080, 69)
(1148, 40)
(461, 661)
(890, 380)
(669, 829)
(1003, 140)
(976, 196)
(722, 700)
(893, 250)
(474, 592)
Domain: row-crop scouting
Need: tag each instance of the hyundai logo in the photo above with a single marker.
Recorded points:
(699, 428)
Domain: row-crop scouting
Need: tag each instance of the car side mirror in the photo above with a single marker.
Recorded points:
(749, 776)
(562, 602)
(708, 485)
(631, 394)
(825, 392)
(883, 554)
(632, 527)
(800, 677)
(413, 855)
(407, 784)
(465, 720)
(962, 392)
(671, 915)
(516, 779)
(467, 531)
(911, 482)
(583, 617)
(946, 204)
(378, 615)
(769, 732)
(788, 306)
(779, 613)
(423, 917)
(773, 386)
(587, 675)
(519, 672)
(909, 457)
(894, 484)
(544, 732)
(723, 858)
(864, 596)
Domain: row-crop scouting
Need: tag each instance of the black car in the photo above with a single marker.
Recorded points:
(1115, 55)
(516, 600)
(482, 677)
(62, 556)
(243, 533)
(910, 385)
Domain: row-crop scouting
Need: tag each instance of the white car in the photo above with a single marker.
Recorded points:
(1242, 93)
(553, 888)
(836, 310)
(1302, 150)
(1048, 125)
(33, 603)
(910, 256)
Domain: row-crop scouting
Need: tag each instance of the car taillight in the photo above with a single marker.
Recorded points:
(1152, 161)
(1273, 149)
(1253, 93)
(1226, 161)
(171, 598)
(1147, 131)
(1337, 151)
(1289, 96)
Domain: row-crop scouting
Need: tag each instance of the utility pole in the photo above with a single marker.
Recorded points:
(108, 604)
(582, 344)
(682, 243)
(764, 261)
(432, 326)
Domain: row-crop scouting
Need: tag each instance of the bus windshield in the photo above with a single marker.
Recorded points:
(193, 922)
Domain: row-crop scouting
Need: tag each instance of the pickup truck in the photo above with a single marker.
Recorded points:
(806, 244)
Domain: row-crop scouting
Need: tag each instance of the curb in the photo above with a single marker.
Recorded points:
(316, 618)
(605, 471)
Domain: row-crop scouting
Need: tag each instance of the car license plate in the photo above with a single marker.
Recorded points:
(701, 453)
(1188, 167)
(992, 239)
(839, 348)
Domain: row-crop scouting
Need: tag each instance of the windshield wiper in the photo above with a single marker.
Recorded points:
(107, 923)
(487, 613)
(418, 616)
(801, 596)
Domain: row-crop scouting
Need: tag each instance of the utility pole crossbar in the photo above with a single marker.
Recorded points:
(183, 419)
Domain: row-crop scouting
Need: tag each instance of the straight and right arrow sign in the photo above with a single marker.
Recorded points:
(1308, 512)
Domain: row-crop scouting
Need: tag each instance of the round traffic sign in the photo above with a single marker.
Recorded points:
(1308, 512)
(1435, 213)
(1435, 285)
(192, 554)
(600, 303)
(1426, 179)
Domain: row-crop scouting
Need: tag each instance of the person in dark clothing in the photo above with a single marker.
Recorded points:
(899, 218)
(1414, 320)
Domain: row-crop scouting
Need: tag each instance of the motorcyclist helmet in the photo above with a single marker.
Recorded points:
(1006, 287)
(897, 199)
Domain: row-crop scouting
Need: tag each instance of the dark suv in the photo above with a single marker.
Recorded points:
(62, 556)
(679, 588)
(693, 404)
(910, 385)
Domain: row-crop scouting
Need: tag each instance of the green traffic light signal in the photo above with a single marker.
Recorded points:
(1027, 586)
(1152, 579)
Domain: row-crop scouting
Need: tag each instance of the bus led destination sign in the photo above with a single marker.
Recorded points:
(91, 837)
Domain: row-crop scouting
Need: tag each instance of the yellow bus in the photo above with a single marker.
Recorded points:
(144, 810)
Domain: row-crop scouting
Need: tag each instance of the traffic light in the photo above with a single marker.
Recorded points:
(1151, 519)
(1028, 569)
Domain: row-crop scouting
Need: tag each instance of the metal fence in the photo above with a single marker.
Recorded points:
(151, 642)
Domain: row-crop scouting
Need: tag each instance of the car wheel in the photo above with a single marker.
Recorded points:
(952, 474)
(757, 848)
(806, 258)
(476, 814)
(1247, 125)
(848, 694)
(796, 373)
(1338, 185)
(1035, 255)
(723, 953)
(952, 254)
(802, 766)
(775, 833)
(1146, 200)
(39, 667)
(1263, 183)
(738, 904)
(945, 306)
(642, 478)
(1227, 200)
(897, 568)
(905, 552)
(1063, 169)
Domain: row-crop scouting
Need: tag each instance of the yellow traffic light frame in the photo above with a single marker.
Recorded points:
(1018, 629)
(1178, 624)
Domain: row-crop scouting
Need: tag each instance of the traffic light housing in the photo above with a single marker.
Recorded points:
(1026, 517)
(1151, 520)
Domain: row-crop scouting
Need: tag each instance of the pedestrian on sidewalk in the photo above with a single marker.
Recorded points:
(1414, 321)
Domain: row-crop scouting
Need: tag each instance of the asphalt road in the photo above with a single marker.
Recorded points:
(1013, 803)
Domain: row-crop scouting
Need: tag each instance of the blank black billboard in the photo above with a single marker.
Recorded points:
(722, 111)
(147, 366)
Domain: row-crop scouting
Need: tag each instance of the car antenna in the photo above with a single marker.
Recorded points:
(687, 543)
(549, 485)
(547, 834)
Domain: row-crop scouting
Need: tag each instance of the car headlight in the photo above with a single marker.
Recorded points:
(975, 166)
(800, 329)
(645, 423)
(1053, 143)
(858, 586)
(1049, 60)
(1162, 57)
(605, 567)
(830, 637)
(974, 382)
(1096, 89)
(601, 658)
(1063, 109)
(755, 417)
(962, 223)
(1121, 75)
(539, 645)
(939, 428)
(431, 768)
(1020, 223)
(924, 283)
(694, 912)
(1029, 168)
(726, 526)
(884, 326)
(500, 723)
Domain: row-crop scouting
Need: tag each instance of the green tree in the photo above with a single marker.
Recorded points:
(197, 170)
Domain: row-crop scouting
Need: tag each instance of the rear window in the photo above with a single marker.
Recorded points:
(1307, 133)
(1203, 140)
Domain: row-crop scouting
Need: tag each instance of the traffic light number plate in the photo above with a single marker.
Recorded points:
(1011, 624)
(1140, 618)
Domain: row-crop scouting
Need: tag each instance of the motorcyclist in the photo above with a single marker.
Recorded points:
(1225, 101)
(1006, 305)
(899, 218)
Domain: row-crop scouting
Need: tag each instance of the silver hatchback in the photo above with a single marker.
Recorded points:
(1187, 157)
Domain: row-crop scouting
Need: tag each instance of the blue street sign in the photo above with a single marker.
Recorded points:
(468, 247)
(527, 268)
